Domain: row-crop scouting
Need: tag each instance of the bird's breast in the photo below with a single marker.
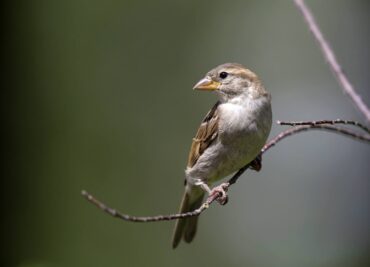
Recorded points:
(236, 122)
(243, 131)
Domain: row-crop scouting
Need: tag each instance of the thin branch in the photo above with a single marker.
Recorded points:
(232, 180)
(303, 128)
(332, 122)
(331, 59)
(117, 214)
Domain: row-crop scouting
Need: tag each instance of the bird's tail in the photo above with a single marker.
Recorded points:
(186, 228)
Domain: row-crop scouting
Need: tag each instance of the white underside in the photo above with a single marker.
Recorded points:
(244, 127)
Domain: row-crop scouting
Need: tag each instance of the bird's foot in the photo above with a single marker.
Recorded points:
(219, 192)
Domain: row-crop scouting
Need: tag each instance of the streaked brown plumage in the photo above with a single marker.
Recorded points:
(206, 134)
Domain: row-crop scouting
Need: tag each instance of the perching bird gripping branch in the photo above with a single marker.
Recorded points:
(323, 125)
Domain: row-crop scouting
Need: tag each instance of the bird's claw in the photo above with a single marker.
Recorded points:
(219, 192)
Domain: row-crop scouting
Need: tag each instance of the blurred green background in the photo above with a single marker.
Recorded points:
(101, 100)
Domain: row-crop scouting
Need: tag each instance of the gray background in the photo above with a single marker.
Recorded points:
(103, 102)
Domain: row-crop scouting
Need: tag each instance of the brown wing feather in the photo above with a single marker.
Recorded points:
(206, 134)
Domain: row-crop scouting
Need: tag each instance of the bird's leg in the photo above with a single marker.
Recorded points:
(219, 191)
(203, 185)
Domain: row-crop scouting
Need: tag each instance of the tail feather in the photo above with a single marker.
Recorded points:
(180, 223)
(191, 223)
(186, 228)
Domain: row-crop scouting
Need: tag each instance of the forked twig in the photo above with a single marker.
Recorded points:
(232, 180)
(332, 122)
(331, 59)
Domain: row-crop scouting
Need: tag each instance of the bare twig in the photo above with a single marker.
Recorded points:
(329, 128)
(232, 180)
(332, 122)
(331, 59)
(117, 214)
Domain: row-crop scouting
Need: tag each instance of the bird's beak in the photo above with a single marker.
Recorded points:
(207, 84)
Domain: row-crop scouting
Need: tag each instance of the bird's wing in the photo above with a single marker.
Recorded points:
(206, 134)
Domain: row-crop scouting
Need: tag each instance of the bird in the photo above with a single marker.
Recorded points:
(230, 136)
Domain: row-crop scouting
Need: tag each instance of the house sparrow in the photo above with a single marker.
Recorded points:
(230, 136)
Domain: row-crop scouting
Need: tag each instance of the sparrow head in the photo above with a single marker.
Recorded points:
(232, 80)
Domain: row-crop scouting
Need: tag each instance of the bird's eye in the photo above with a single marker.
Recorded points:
(223, 75)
